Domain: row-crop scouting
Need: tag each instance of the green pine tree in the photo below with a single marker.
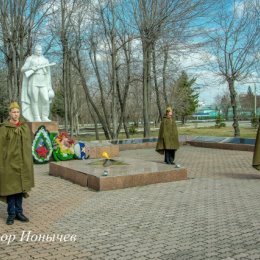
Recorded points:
(185, 97)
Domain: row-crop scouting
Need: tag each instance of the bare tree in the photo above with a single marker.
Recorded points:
(235, 40)
(109, 47)
(156, 85)
(123, 86)
(155, 19)
(19, 21)
(64, 13)
(103, 97)
(165, 72)
(67, 23)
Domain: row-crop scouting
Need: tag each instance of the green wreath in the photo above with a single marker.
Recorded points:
(61, 151)
(42, 146)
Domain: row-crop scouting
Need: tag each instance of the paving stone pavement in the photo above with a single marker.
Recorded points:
(214, 215)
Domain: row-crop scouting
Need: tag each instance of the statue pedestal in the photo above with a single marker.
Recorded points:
(52, 127)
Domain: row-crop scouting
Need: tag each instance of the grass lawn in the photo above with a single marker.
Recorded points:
(245, 132)
(212, 131)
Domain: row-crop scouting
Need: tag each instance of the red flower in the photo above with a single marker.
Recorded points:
(42, 151)
(63, 136)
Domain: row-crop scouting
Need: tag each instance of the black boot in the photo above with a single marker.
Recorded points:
(10, 220)
(167, 157)
(172, 156)
(21, 217)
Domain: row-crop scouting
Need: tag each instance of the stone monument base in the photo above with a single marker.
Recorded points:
(133, 173)
(52, 127)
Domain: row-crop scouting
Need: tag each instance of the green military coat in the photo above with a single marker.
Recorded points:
(16, 165)
(256, 156)
(168, 136)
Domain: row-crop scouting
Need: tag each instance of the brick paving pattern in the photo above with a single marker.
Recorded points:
(214, 215)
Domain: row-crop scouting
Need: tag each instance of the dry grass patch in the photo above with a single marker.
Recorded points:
(199, 131)
(212, 131)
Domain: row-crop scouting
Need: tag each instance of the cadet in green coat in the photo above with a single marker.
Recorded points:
(16, 165)
(168, 140)
(256, 156)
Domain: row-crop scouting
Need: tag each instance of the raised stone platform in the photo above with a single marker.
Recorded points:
(134, 173)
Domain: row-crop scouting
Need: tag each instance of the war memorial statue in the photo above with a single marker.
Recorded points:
(37, 92)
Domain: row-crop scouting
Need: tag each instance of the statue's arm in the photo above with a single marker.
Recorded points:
(48, 78)
(27, 65)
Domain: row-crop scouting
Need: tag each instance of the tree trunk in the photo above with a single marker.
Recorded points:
(77, 123)
(183, 120)
(233, 100)
(113, 84)
(102, 95)
(72, 100)
(94, 119)
(156, 86)
(19, 22)
(146, 87)
(64, 42)
(78, 67)
(122, 101)
(165, 61)
(65, 86)
(96, 127)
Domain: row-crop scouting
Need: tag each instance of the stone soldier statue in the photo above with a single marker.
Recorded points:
(37, 92)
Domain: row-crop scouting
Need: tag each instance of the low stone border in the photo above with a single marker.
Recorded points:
(229, 143)
(115, 146)
(142, 143)
(228, 146)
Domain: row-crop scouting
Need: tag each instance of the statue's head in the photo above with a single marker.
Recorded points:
(38, 50)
